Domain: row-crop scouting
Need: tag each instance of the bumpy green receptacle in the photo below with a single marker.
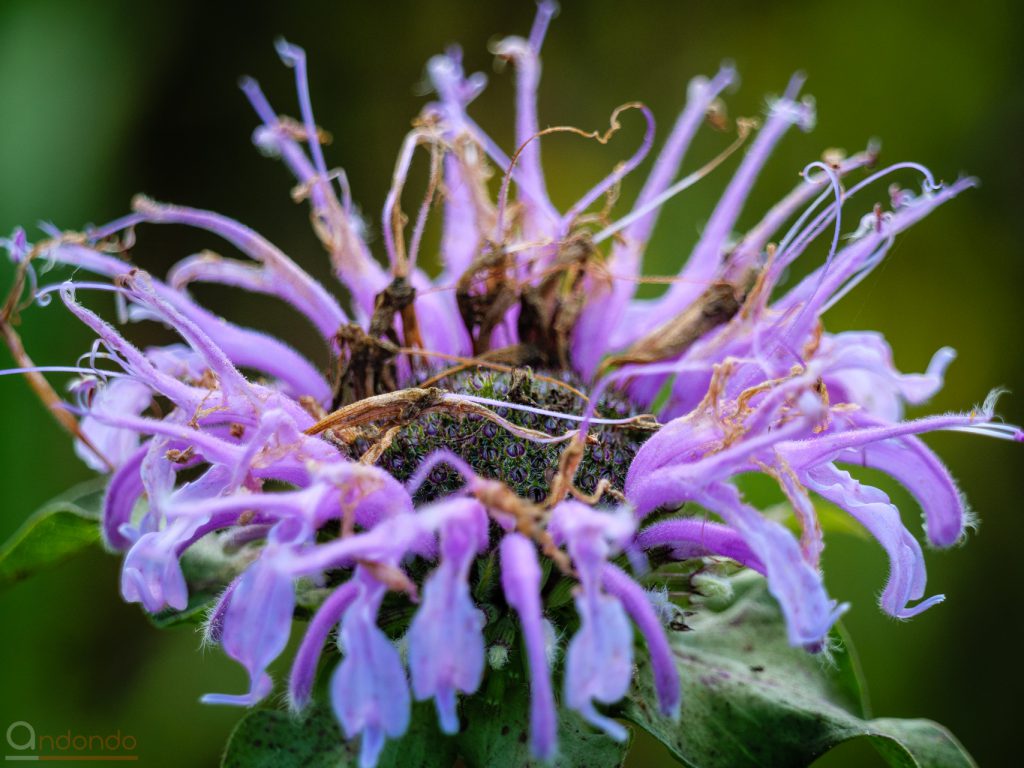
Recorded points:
(493, 452)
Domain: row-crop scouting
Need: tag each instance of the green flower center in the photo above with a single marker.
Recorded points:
(527, 467)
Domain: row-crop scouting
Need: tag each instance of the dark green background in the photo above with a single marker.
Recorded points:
(101, 100)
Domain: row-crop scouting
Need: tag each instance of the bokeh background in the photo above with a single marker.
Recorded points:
(102, 100)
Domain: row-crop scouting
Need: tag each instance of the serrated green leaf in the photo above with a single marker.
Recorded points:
(749, 699)
(58, 530)
(274, 739)
(496, 732)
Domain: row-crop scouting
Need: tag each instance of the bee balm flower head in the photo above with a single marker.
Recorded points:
(484, 435)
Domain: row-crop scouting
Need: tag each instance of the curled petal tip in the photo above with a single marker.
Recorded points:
(261, 688)
(924, 605)
(290, 54)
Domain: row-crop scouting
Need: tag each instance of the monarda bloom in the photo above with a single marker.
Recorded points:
(484, 494)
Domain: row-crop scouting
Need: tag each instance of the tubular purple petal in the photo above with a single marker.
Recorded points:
(797, 586)
(139, 366)
(520, 581)
(526, 56)
(875, 512)
(599, 659)
(704, 262)
(446, 642)
(123, 491)
(230, 380)
(369, 692)
(303, 674)
(213, 627)
(692, 537)
(294, 285)
(351, 259)
(293, 56)
(256, 628)
(700, 94)
(151, 574)
(634, 600)
(916, 468)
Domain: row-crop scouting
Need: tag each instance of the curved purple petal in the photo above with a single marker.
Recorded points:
(875, 512)
(369, 692)
(520, 581)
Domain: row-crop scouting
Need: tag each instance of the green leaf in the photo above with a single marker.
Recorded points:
(58, 530)
(199, 603)
(273, 739)
(832, 519)
(917, 744)
(749, 699)
(268, 738)
(423, 746)
(496, 732)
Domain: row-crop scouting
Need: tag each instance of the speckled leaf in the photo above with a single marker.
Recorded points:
(58, 530)
(496, 729)
(423, 746)
(274, 739)
(749, 699)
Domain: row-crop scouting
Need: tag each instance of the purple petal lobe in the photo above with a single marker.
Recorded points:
(875, 512)
(256, 627)
(520, 580)
(446, 643)
(638, 606)
(369, 691)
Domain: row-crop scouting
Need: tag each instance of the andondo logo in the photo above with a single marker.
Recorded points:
(24, 744)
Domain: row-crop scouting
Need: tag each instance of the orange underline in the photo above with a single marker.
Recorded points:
(72, 758)
(88, 757)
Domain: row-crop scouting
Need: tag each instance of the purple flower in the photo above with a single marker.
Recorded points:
(369, 691)
(520, 581)
(599, 660)
(478, 437)
(638, 605)
(446, 642)
(256, 626)
(115, 443)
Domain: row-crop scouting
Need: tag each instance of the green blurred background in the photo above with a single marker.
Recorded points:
(102, 100)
